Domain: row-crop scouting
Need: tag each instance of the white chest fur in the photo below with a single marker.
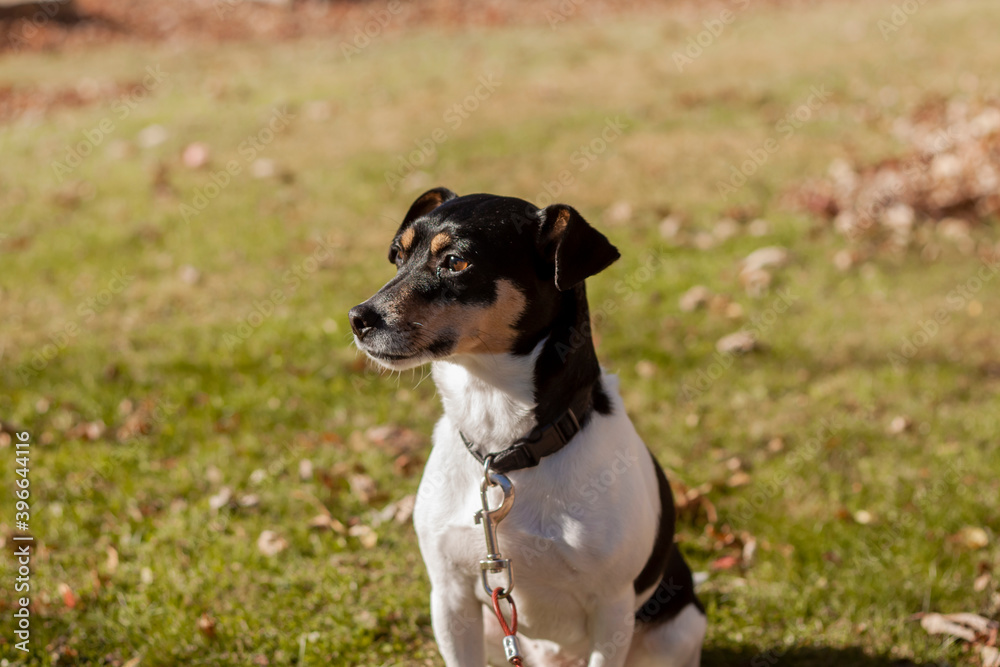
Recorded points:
(489, 397)
(584, 520)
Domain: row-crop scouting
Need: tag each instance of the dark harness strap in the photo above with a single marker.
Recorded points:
(542, 441)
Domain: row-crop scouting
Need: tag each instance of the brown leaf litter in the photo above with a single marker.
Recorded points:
(950, 172)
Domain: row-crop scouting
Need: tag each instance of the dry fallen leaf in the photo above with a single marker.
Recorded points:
(725, 229)
(740, 342)
(695, 298)
(763, 258)
(690, 502)
(739, 478)
(618, 213)
(206, 626)
(367, 536)
(220, 499)
(112, 563)
(645, 369)
(725, 563)
(899, 425)
(363, 487)
(195, 155)
(759, 227)
(213, 475)
(972, 628)
(405, 465)
(263, 168)
(756, 282)
(86, 431)
(248, 500)
(670, 227)
(971, 538)
(400, 511)
(394, 439)
(952, 168)
(749, 550)
(153, 135)
(189, 275)
(67, 595)
(325, 521)
(937, 624)
(270, 543)
(864, 517)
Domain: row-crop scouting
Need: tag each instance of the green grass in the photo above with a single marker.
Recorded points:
(242, 407)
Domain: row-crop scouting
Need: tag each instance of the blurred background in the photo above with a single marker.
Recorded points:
(194, 192)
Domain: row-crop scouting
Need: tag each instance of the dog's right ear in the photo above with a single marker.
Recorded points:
(423, 205)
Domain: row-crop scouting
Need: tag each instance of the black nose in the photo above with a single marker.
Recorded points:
(363, 318)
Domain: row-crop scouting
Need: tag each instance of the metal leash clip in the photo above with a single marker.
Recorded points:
(490, 518)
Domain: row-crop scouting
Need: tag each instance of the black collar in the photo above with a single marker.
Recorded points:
(542, 441)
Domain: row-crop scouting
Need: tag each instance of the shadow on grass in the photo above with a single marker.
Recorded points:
(810, 656)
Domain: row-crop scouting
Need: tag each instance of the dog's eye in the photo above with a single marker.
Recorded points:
(455, 264)
(397, 257)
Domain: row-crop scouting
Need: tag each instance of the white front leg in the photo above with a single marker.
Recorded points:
(457, 617)
(612, 625)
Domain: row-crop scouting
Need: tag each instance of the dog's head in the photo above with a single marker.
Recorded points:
(476, 274)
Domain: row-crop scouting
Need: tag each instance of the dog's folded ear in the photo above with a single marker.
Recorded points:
(577, 250)
(426, 203)
(423, 205)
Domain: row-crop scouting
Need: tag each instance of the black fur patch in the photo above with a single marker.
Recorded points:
(666, 565)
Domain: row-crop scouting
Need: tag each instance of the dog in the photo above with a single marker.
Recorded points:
(490, 291)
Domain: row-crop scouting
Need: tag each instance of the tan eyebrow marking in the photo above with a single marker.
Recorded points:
(440, 241)
(406, 240)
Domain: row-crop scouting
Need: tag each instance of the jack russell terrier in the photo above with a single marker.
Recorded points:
(490, 291)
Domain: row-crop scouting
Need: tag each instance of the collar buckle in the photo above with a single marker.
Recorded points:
(566, 431)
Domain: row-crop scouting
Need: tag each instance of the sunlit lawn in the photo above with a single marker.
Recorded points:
(158, 353)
